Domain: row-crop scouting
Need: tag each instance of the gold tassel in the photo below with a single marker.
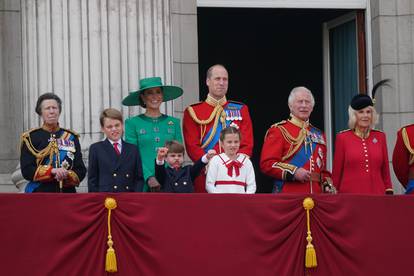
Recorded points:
(310, 257)
(110, 263)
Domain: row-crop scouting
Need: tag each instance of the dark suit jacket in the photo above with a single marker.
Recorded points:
(178, 181)
(109, 172)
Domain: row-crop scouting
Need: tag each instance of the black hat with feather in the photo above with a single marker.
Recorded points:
(361, 101)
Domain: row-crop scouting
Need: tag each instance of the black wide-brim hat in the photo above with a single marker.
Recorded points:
(169, 92)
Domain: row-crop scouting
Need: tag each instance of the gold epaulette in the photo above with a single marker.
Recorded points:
(315, 127)
(407, 144)
(194, 104)
(71, 131)
(26, 134)
(231, 101)
(279, 123)
(345, 130)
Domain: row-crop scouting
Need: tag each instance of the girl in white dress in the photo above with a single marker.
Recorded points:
(230, 171)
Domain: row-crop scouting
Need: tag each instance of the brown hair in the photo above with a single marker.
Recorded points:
(47, 96)
(174, 147)
(229, 130)
(111, 113)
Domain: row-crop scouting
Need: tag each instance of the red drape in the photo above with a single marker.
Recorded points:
(203, 234)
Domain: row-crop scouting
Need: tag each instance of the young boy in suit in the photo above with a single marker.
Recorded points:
(114, 165)
(174, 177)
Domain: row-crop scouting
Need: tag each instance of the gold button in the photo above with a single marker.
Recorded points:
(367, 170)
(114, 174)
(176, 184)
(185, 183)
(115, 187)
(127, 175)
(127, 187)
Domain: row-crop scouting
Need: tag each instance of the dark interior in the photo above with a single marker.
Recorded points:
(267, 52)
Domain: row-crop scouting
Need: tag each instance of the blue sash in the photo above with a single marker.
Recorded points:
(63, 152)
(410, 187)
(299, 159)
(230, 106)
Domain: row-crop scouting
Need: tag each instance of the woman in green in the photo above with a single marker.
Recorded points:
(151, 130)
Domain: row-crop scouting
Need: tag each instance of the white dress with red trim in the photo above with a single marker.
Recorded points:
(230, 176)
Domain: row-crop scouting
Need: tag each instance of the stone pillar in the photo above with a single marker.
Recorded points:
(185, 51)
(11, 105)
(393, 58)
(92, 53)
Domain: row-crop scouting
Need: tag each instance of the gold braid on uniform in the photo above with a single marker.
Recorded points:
(39, 154)
(295, 143)
(217, 115)
(407, 145)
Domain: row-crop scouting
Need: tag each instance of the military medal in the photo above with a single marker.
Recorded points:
(374, 140)
(233, 124)
(66, 145)
(170, 123)
(65, 164)
(70, 155)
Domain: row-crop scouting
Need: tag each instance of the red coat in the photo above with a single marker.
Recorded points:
(403, 155)
(361, 165)
(194, 132)
(283, 146)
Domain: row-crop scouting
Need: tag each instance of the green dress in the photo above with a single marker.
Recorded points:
(149, 134)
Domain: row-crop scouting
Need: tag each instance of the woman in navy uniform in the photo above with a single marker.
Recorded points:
(51, 158)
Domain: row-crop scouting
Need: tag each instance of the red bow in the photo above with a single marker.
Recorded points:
(233, 164)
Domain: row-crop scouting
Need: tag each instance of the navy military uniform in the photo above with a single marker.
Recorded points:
(43, 149)
(110, 172)
(178, 181)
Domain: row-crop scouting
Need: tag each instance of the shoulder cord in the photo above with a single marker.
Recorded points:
(295, 143)
(407, 145)
(215, 115)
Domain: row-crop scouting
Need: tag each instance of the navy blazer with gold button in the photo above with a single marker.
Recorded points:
(109, 172)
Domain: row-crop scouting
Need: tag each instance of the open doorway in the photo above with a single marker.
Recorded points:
(267, 53)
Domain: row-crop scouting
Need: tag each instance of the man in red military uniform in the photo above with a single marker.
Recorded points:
(403, 158)
(294, 151)
(203, 121)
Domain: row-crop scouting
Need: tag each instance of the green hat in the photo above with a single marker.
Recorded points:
(169, 92)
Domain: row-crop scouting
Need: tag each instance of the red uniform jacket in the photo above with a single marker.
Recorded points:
(403, 155)
(202, 123)
(284, 144)
(361, 165)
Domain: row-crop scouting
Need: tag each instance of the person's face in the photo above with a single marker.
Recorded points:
(231, 144)
(50, 112)
(153, 97)
(363, 118)
(218, 83)
(301, 106)
(175, 160)
(113, 129)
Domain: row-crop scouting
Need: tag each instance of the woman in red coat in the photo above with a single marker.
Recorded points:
(361, 157)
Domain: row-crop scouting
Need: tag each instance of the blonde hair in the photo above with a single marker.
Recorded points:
(353, 119)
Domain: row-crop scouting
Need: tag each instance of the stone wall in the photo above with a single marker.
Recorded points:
(393, 58)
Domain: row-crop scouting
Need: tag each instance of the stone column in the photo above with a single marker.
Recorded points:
(11, 105)
(92, 53)
(393, 58)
